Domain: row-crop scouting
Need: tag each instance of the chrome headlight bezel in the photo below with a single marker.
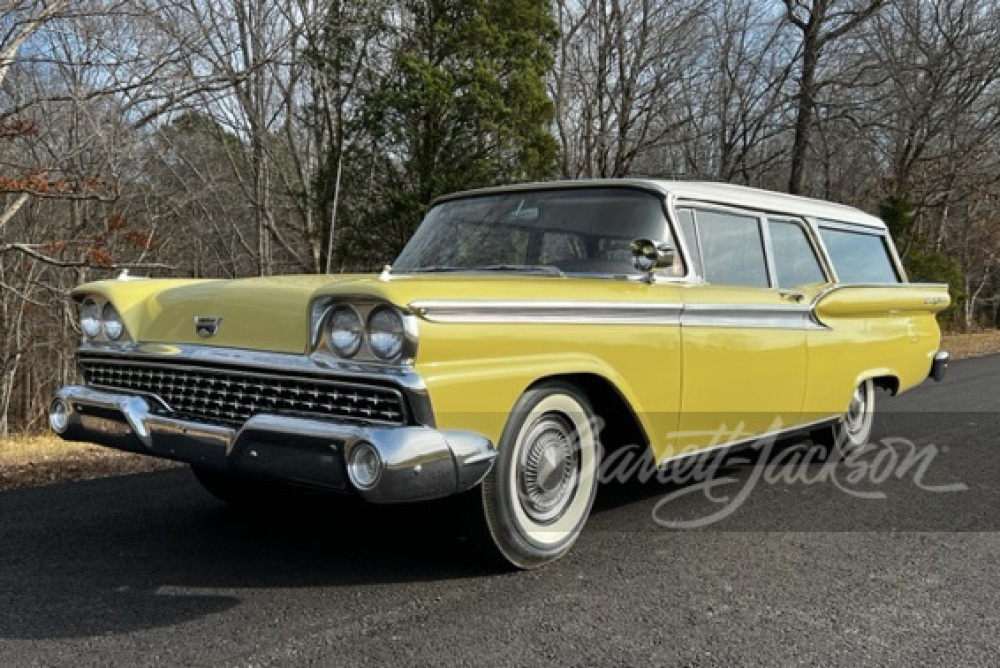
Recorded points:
(108, 327)
(325, 308)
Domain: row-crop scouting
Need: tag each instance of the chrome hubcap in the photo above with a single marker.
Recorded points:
(548, 468)
(855, 418)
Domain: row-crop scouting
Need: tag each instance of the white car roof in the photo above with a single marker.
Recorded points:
(715, 193)
(769, 201)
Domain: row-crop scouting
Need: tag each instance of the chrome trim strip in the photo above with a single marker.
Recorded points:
(761, 316)
(889, 286)
(859, 228)
(674, 227)
(764, 229)
(317, 365)
(632, 313)
(750, 316)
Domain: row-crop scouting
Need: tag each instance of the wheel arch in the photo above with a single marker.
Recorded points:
(621, 426)
(885, 379)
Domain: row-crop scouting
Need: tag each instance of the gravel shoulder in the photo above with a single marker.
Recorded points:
(42, 460)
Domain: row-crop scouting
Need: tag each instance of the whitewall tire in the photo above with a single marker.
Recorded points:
(854, 429)
(533, 505)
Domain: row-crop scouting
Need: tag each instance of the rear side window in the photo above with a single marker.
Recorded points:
(859, 257)
(732, 250)
(795, 263)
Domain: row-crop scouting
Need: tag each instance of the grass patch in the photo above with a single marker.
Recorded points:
(42, 460)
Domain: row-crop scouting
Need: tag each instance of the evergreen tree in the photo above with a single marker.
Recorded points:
(463, 106)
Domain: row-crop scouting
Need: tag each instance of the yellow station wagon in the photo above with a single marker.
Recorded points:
(521, 333)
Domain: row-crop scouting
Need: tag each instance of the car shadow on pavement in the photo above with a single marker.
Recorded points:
(122, 554)
(128, 553)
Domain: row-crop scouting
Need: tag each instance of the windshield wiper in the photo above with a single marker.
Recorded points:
(535, 268)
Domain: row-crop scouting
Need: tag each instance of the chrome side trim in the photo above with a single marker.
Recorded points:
(631, 313)
(749, 316)
(889, 286)
(756, 316)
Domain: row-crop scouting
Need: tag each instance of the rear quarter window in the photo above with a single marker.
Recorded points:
(859, 257)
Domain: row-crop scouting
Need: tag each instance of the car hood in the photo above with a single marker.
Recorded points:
(273, 314)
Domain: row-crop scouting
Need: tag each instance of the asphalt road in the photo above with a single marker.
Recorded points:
(148, 569)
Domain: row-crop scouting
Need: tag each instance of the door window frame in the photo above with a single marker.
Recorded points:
(812, 239)
(811, 227)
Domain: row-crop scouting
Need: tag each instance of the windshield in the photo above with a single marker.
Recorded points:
(541, 231)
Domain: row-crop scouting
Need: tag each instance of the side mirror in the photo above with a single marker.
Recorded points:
(649, 255)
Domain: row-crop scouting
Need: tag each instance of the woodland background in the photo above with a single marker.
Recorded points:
(225, 138)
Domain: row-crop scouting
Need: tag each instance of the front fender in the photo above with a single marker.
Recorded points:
(479, 394)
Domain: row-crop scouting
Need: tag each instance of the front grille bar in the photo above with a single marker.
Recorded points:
(219, 395)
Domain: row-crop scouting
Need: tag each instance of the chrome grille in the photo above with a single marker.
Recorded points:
(229, 397)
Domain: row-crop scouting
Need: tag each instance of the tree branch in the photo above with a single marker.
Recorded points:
(31, 251)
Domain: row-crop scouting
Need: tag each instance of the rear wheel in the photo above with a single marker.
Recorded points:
(533, 505)
(854, 429)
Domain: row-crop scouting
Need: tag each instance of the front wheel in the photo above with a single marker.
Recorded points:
(533, 505)
(854, 429)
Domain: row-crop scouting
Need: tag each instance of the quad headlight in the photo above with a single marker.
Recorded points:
(366, 331)
(386, 333)
(100, 320)
(344, 331)
(111, 323)
(90, 318)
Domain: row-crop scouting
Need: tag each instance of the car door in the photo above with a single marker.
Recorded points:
(743, 328)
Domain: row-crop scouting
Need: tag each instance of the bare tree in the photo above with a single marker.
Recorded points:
(821, 23)
(619, 65)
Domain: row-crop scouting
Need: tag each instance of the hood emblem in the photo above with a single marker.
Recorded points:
(206, 327)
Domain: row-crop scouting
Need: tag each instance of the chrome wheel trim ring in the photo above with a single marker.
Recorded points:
(548, 468)
(857, 411)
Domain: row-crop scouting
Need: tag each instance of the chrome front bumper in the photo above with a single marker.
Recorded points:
(417, 462)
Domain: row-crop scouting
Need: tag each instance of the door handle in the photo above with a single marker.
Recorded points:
(792, 295)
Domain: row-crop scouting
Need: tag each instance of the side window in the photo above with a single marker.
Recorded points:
(686, 219)
(858, 257)
(732, 249)
(795, 262)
